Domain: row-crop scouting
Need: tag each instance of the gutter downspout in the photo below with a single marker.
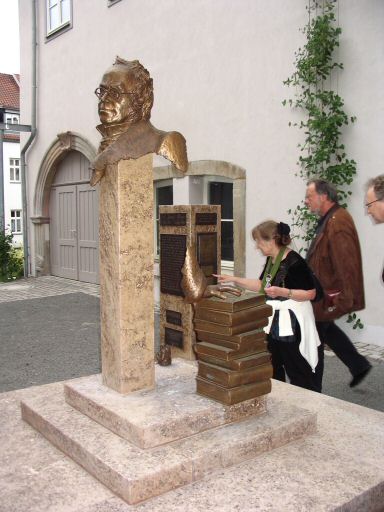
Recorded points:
(29, 141)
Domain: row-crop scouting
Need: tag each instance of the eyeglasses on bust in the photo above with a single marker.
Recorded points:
(112, 92)
(369, 204)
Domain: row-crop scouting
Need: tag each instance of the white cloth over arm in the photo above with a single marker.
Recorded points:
(305, 317)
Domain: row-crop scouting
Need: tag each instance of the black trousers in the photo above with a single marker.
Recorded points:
(286, 359)
(342, 346)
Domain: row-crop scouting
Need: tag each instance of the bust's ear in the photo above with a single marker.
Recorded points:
(174, 149)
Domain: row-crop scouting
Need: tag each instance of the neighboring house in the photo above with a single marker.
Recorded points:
(218, 69)
(10, 114)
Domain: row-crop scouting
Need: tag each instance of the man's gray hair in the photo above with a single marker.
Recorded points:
(324, 188)
(378, 186)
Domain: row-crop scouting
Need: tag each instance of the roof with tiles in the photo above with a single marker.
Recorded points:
(11, 137)
(10, 91)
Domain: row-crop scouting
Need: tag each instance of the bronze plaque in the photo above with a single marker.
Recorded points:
(173, 317)
(172, 256)
(206, 219)
(173, 337)
(233, 378)
(233, 303)
(230, 396)
(207, 255)
(239, 318)
(173, 219)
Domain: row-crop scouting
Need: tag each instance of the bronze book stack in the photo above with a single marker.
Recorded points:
(233, 360)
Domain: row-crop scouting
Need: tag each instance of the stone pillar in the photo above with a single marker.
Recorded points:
(126, 275)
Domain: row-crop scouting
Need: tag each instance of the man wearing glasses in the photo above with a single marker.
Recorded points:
(125, 98)
(334, 256)
(374, 200)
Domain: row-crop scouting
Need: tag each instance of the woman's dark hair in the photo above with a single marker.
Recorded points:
(272, 230)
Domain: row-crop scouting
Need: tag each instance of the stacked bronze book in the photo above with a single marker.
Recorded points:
(233, 360)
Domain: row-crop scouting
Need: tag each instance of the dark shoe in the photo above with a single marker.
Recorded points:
(359, 377)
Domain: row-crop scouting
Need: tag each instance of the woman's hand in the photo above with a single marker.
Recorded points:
(249, 284)
(275, 291)
(298, 295)
(224, 278)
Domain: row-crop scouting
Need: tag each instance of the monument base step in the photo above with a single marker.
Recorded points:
(136, 474)
(154, 417)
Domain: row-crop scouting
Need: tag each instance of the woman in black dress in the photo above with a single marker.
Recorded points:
(289, 287)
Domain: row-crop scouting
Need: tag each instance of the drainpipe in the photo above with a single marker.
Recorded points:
(29, 142)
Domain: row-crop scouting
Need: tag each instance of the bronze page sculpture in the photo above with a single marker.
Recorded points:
(194, 283)
(125, 102)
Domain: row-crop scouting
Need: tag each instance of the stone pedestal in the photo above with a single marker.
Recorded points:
(146, 443)
(126, 275)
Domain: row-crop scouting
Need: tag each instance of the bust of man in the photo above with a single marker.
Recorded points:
(125, 102)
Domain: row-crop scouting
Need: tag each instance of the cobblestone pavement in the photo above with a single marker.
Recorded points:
(46, 286)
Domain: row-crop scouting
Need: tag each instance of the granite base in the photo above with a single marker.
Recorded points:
(170, 412)
(136, 474)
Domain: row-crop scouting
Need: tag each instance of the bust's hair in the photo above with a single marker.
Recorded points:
(378, 186)
(143, 91)
(325, 188)
(269, 230)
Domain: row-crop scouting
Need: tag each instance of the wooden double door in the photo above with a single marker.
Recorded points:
(74, 232)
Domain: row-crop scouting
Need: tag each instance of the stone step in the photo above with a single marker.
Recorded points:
(137, 474)
(154, 417)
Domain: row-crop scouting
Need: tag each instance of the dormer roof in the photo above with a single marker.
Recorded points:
(10, 91)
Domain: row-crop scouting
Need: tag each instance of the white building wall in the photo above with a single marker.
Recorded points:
(218, 68)
(12, 190)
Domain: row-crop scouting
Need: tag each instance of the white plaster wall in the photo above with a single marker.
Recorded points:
(12, 191)
(218, 69)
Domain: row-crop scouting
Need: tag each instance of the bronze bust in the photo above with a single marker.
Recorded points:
(125, 102)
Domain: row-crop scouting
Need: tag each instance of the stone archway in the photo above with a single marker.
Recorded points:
(238, 176)
(64, 144)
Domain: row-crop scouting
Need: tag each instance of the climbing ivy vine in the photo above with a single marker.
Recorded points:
(322, 154)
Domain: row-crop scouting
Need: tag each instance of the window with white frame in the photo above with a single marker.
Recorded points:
(14, 170)
(163, 191)
(58, 15)
(11, 119)
(16, 221)
(220, 191)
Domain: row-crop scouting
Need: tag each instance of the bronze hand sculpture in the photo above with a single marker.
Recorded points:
(125, 102)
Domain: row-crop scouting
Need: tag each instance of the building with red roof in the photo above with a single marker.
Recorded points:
(10, 161)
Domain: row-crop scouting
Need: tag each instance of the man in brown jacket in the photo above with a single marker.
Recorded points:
(334, 256)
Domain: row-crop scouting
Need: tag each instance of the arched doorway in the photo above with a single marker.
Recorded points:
(65, 212)
(73, 212)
